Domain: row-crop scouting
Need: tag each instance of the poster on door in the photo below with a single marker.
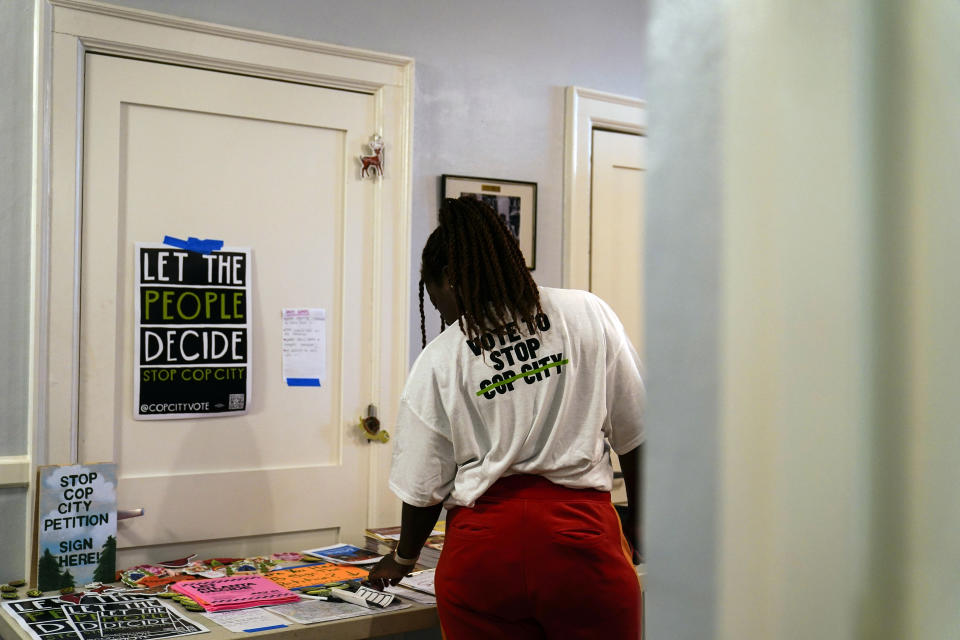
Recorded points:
(191, 332)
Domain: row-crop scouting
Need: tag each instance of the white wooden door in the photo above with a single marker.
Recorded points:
(616, 226)
(618, 171)
(272, 166)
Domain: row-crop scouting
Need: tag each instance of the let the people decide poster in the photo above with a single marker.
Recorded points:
(192, 332)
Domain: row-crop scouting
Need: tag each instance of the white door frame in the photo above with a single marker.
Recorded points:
(587, 110)
(66, 31)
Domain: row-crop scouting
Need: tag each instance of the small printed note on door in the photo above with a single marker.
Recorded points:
(304, 347)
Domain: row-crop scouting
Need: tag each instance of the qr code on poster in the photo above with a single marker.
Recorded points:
(235, 401)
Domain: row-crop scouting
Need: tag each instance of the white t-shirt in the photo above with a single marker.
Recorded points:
(549, 400)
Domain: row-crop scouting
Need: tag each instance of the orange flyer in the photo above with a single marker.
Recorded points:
(152, 582)
(315, 575)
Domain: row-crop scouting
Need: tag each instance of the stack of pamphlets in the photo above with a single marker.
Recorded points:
(343, 554)
(384, 540)
(235, 592)
(430, 554)
(386, 537)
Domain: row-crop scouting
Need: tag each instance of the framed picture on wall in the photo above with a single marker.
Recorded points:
(514, 200)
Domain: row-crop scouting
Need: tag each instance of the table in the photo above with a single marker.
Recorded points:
(416, 617)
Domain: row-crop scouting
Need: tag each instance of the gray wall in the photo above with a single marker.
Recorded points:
(13, 507)
(683, 313)
(802, 307)
(16, 114)
(489, 85)
(489, 102)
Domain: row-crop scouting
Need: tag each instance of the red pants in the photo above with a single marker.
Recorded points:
(536, 560)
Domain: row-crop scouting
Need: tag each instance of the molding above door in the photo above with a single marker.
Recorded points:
(587, 110)
(68, 29)
(157, 37)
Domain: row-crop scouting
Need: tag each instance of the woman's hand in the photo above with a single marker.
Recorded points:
(416, 523)
(387, 572)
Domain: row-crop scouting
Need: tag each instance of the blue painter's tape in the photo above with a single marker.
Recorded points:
(194, 244)
(303, 382)
(276, 626)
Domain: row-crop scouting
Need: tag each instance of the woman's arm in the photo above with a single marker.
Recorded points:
(416, 523)
(631, 463)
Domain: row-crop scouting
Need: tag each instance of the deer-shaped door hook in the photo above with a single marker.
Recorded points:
(373, 164)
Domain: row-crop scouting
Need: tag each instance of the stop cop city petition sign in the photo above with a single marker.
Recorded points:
(192, 332)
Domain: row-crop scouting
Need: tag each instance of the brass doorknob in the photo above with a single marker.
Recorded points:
(371, 426)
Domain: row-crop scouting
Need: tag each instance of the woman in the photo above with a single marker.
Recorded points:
(508, 418)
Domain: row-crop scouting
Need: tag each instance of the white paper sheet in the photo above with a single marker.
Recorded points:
(412, 594)
(253, 619)
(304, 347)
(308, 611)
(421, 581)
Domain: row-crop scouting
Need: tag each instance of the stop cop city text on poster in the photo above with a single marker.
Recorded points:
(192, 332)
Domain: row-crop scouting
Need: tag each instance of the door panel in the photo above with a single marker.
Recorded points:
(616, 226)
(257, 163)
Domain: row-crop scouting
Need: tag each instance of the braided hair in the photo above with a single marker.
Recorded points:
(484, 267)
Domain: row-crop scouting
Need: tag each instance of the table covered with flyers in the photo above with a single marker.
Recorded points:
(287, 599)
